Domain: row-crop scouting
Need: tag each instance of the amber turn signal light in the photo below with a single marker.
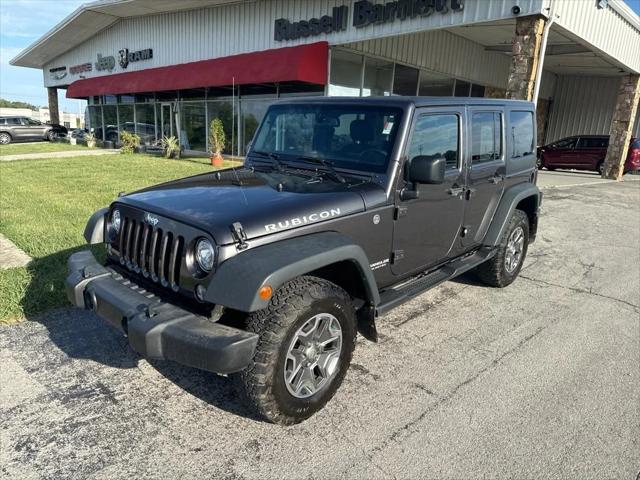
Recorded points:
(265, 292)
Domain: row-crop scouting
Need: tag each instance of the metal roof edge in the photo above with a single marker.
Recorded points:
(625, 11)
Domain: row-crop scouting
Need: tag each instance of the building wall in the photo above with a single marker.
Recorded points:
(248, 26)
(582, 105)
(607, 29)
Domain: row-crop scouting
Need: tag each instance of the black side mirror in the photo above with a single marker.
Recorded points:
(426, 170)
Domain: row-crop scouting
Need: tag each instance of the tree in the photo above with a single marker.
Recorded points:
(13, 104)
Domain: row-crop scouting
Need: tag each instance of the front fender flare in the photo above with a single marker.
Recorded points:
(510, 200)
(94, 231)
(237, 281)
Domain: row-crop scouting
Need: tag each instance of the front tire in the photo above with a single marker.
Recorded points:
(307, 337)
(51, 135)
(504, 267)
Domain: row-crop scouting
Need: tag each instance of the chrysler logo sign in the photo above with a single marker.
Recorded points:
(364, 13)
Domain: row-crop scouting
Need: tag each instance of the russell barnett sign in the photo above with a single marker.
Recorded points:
(364, 13)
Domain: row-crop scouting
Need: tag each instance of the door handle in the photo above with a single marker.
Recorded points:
(496, 179)
(455, 191)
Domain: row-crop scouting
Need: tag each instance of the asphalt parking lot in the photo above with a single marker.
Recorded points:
(536, 380)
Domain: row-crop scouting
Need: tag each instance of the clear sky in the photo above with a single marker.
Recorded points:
(24, 21)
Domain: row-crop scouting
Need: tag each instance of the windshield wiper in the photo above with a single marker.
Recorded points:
(273, 156)
(328, 165)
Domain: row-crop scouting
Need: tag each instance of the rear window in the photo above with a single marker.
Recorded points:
(586, 142)
(521, 133)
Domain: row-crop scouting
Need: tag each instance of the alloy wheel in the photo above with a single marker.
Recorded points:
(313, 356)
(515, 247)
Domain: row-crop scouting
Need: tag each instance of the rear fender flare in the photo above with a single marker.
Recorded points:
(236, 283)
(510, 200)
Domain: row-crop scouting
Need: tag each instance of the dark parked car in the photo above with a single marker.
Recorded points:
(345, 209)
(24, 128)
(78, 133)
(584, 152)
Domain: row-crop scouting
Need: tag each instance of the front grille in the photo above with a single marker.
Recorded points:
(153, 252)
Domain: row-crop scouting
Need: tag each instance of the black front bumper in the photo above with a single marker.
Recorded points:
(157, 329)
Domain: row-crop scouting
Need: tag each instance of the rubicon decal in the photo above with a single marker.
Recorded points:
(305, 219)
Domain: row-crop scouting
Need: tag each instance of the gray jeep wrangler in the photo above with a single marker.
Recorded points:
(344, 209)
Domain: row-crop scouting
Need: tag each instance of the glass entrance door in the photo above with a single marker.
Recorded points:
(166, 120)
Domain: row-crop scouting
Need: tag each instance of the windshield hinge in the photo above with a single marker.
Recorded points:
(400, 212)
(239, 235)
(396, 256)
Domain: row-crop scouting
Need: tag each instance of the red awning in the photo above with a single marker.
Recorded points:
(304, 63)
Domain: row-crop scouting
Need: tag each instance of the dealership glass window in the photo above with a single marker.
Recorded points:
(168, 96)
(377, 77)
(434, 85)
(193, 126)
(436, 136)
(291, 89)
(145, 123)
(521, 133)
(405, 80)
(110, 99)
(252, 111)
(485, 137)
(145, 97)
(110, 118)
(477, 90)
(224, 110)
(193, 94)
(462, 88)
(346, 74)
(126, 98)
(125, 118)
(95, 121)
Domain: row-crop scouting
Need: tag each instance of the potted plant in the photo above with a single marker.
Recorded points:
(171, 147)
(129, 142)
(90, 139)
(217, 141)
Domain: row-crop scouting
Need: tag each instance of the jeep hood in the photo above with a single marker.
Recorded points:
(263, 203)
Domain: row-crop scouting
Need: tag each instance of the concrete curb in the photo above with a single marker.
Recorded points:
(65, 154)
(10, 255)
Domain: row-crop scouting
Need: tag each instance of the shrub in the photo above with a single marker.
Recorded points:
(217, 138)
(129, 142)
(171, 147)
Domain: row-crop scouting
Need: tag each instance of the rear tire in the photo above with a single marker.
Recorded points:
(5, 138)
(504, 267)
(307, 337)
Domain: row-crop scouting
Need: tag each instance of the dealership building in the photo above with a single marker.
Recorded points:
(163, 67)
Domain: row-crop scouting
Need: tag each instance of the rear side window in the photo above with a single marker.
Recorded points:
(486, 137)
(585, 142)
(521, 133)
(3, 121)
(13, 121)
(436, 136)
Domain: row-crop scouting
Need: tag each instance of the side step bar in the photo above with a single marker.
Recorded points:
(406, 291)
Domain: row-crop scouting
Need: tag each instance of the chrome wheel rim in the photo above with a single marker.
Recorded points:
(515, 247)
(4, 139)
(313, 356)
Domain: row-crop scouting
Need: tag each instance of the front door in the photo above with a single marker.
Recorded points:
(166, 120)
(427, 227)
(486, 172)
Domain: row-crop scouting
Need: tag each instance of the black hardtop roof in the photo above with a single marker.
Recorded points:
(401, 101)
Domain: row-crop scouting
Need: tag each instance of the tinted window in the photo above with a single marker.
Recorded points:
(13, 121)
(436, 136)
(593, 142)
(30, 121)
(486, 138)
(349, 136)
(3, 121)
(567, 143)
(521, 133)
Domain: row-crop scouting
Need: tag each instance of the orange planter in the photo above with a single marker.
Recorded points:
(216, 160)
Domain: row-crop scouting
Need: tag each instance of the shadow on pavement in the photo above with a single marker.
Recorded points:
(81, 334)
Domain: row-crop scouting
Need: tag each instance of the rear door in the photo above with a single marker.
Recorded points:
(485, 172)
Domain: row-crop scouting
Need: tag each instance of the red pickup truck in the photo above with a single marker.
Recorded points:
(584, 152)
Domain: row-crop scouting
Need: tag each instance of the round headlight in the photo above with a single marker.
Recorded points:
(205, 254)
(115, 221)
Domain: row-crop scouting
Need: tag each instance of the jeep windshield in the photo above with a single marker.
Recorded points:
(351, 137)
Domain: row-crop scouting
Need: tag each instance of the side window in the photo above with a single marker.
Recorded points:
(486, 138)
(436, 136)
(3, 121)
(13, 121)
(521, 133)
(592, 142)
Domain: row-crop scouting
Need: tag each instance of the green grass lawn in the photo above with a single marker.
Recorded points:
(44, 206)
(42, 147)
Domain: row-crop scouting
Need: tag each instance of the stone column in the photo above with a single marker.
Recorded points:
(622, 127)
(525, 57)
(54, 114)
(494, 92)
